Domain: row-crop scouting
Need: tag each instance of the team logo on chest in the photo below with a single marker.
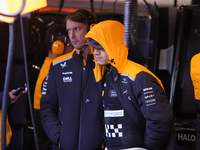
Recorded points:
(63, 65)
(67, 79)
(124, 80)
(112, 93)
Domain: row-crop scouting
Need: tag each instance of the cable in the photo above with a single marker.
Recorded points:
(175, 3)
(152, 11)
(27, 81)
(92, 5)
(7, 76)
(17, 13)
(60, 7)
(84, 47)
(114, 9)
(6, 87)
(101, 9)
(102, 5)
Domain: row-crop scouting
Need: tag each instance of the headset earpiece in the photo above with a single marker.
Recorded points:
(88, 28)
(58, 48)
(89, 18)
(65, 40)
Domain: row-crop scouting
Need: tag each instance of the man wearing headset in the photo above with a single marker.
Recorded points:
(57, 43)
(71, 106)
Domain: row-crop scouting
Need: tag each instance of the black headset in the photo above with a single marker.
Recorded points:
(90, 19)
(58, 44)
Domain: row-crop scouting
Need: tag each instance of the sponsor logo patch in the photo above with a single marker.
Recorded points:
(114, 113)
(63, 65)
(147, 89)
(149, 96)
(124, 81)
(112, 93)
(65, 73)
(150, 102)
(67, 79)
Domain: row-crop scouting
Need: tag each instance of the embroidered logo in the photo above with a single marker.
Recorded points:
(112, 93)
(115, 78)
(147, 89)
(124, 81)
(126, 94)
(67, 79)
(113, 113)
(65, 73)
(150, 102)
(44, 87)
(149, 96)
(63, 65)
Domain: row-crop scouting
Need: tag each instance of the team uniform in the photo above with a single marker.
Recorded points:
(137, 112)
(8, 128)
(195, 77)
(120, 130)
(44, 142)
(71, 106)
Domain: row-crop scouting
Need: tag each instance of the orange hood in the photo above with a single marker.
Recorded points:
(110, 35)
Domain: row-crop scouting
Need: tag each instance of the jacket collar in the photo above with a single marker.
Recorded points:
(78, 58)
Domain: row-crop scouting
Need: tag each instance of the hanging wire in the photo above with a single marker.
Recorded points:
(114, 5)
(7, 76)
(60, 7)
(27, 81)
(101, 9)
(6, 87)
(92, 5)
(153, 13)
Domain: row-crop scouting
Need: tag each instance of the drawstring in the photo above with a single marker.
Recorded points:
(112, 61)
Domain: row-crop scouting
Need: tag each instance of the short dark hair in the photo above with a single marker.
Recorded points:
(83, 16)
(56, 30)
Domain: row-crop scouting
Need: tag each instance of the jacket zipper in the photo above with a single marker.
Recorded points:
(81, 106)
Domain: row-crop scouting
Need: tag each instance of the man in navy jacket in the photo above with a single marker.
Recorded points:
(71, 107)
(137, 113)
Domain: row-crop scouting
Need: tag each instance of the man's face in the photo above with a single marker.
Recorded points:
(101, 56)
(76, 32)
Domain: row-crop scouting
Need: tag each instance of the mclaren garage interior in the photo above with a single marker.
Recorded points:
(164, 35)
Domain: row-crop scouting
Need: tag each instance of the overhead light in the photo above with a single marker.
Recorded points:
(12, 6)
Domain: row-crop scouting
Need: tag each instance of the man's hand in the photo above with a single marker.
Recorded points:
(14, 98)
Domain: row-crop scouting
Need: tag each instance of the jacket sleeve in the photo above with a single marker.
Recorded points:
(156, 110)
(49, 108)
